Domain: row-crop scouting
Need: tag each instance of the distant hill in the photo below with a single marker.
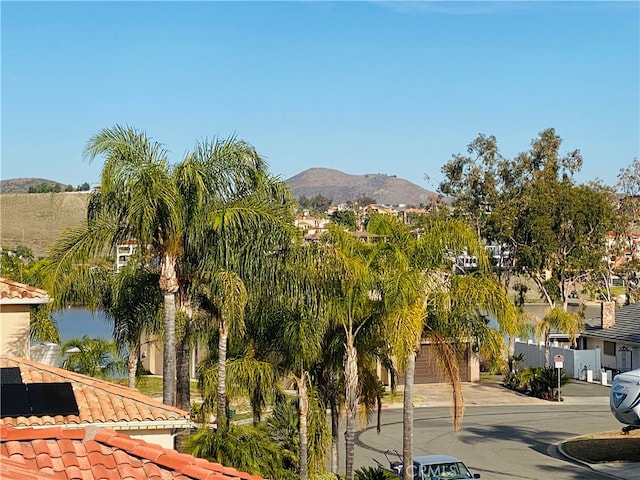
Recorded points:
(36, 220)
(340, 187)
(22, 185)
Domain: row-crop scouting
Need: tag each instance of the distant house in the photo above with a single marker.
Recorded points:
(91, 453)
(125, 250)
(617, 333)
(16, 300)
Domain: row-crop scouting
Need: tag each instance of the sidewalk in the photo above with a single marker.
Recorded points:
(491, 392)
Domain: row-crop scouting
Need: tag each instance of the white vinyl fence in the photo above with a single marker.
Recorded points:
(579, 364)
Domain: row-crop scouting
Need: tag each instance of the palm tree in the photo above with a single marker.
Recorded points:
(181, 217)
(235, 213)
(95, 357)
(354, 307)
(564, 322)
(132, 303)
(304, 280)
(423, 298)
(137, 200)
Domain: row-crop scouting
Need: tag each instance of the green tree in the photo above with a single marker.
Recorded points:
(244, 447)
(137, 199)
(628, 214)
(563, 229)
(185, 218)
(559, 319)
(132, 302)
(304, 286)
(531, 205)
(354, 307)
(235, 213)
(423, 298)
(346, 218)
(95, 357)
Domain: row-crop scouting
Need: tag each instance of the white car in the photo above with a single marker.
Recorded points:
(432, 467)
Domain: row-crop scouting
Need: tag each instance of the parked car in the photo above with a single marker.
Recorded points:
(429, 467)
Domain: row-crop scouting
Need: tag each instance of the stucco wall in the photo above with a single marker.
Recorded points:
(14, 330)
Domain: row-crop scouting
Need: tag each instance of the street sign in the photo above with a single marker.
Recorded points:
(559, 361)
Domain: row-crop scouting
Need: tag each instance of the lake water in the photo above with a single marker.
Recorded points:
(77, 322)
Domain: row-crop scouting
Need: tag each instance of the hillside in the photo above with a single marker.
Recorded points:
(36, 220)
(340, 187)
(22, 185)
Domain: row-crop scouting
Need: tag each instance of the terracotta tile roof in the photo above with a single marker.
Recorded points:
(98, 401)
(15, 292)
(94, 453)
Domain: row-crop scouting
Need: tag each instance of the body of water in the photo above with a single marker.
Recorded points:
(77, 322)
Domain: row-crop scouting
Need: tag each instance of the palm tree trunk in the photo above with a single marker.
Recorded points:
(183, 383)
(169, 351)
(547, 349)
(183, 353)
(407, 417)
(510, 352)
(169, 286)
(335, 436)
(351, 399)
(303, 412)
(221, 413)
(335, 421)
(132, 363)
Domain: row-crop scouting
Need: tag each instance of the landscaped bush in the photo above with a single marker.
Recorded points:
(537, 382)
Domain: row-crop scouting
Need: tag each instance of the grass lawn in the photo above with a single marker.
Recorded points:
(605, 447)
(151, 386)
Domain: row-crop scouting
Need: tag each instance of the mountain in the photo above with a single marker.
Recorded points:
(340, 187)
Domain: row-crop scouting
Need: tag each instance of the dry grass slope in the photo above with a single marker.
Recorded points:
(36, 220)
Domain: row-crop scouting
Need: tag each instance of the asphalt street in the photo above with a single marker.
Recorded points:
(504, 435)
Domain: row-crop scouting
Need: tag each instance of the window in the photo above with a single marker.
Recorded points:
(609, 348)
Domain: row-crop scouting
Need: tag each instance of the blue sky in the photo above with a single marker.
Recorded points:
(362, 87)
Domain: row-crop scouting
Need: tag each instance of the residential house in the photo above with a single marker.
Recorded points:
(95, 402)
(57, 424)
(90, 453)
(124, 251)
(16, 300)
(617, 334)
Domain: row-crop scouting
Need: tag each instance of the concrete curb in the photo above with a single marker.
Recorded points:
(604, 468)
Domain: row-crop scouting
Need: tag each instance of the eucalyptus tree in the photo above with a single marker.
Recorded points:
(564, 228)
(425, 299)
(628, 213)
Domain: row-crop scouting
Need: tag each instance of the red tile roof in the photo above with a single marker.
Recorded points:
(94, 453)
(11, 292)
(98, 401)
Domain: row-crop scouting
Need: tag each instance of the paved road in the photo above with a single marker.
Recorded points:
(504, 435)
(499, 442)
